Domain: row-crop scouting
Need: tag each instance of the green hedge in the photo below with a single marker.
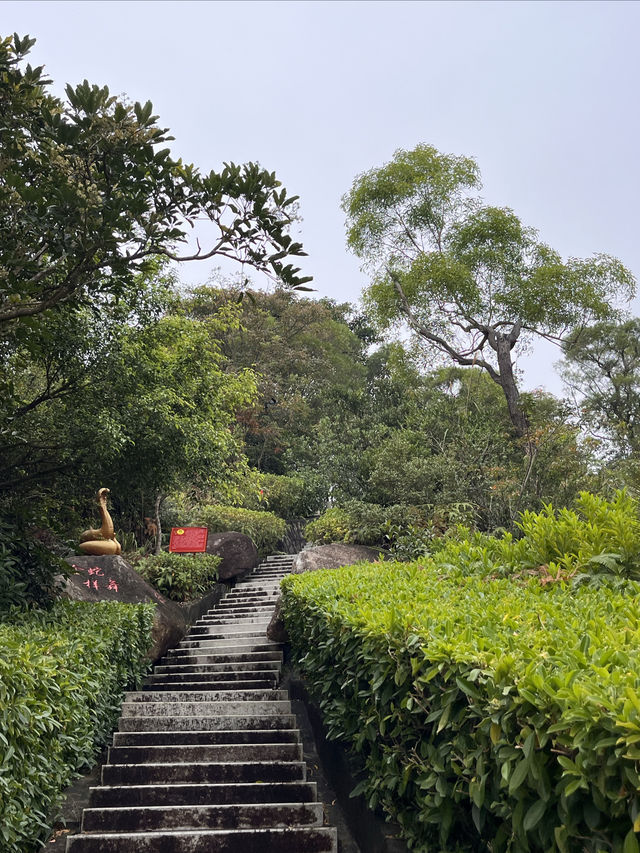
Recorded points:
(265, 528)
(181, 577)
(492, 714)
(62, 676)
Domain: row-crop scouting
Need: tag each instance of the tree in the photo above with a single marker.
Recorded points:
(89, 197)
(168, 415)
(471, 281)
(140, 400)
(53, 364)
(447, 451)
(309, 362)
(602, 364)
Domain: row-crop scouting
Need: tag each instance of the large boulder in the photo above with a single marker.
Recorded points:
(334, 556)
(239, 554)
(321, 557)
(110, 578)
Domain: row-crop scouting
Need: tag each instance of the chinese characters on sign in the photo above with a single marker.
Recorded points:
(92, 581)
(188, 540)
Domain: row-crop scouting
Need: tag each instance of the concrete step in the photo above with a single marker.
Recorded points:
(219, 752)
(261, 577)
(206, 738)
(171, 773)
(205, 709)
(227, 677)
(276, 574)
(268, 588)
(239, 597)
(229, 667)
(230, 630)
(238, 617)
(241, 619)
(189, 696)
(226, 646)
(168, 686)
(184, 657)
(242, 601)
(230, 633)
(239, 816)
(111, 796)
(239, 613)
(231, 623)
(203, 658)
(202, 722)
(244, 595)
(276, 840)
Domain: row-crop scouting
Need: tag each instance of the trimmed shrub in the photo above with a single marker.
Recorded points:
(181, 577)
(62, 678)
(265, 528)
(492, 714)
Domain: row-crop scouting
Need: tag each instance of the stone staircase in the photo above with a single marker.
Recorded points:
(208, 756)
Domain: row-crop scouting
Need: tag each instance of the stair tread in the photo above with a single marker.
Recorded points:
(279, 840)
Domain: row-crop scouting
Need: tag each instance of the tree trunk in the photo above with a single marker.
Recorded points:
(158, 545)
(506, 380)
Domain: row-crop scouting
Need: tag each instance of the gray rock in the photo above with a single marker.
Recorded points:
(110, 578)
(239, 554)
(334, 556)
(321, 557)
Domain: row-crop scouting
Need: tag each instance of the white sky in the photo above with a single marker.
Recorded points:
(543, 94)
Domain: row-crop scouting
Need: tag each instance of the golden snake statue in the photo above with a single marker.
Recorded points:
(103, 540)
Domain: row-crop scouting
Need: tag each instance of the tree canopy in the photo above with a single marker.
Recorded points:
(470, 280)
(90, 196)
(602, 364)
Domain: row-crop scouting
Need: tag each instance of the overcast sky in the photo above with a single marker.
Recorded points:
(543, 94)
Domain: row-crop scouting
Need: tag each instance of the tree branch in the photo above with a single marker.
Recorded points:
(443, 345)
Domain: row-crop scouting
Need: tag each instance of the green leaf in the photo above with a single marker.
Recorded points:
(518, 776)
(534, 815)
(630, 843)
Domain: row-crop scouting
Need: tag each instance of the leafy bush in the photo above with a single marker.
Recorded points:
(62, 676)
(27, 569)
(598, 537)
(265, 528)
(355, 522)
(491, 714)
(334, 525)
(289, 497)
(180, 577)
(405, 530)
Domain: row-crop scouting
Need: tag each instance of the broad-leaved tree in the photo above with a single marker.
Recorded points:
(470, 280)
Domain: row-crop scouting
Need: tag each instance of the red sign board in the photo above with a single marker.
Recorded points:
(188, 539)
